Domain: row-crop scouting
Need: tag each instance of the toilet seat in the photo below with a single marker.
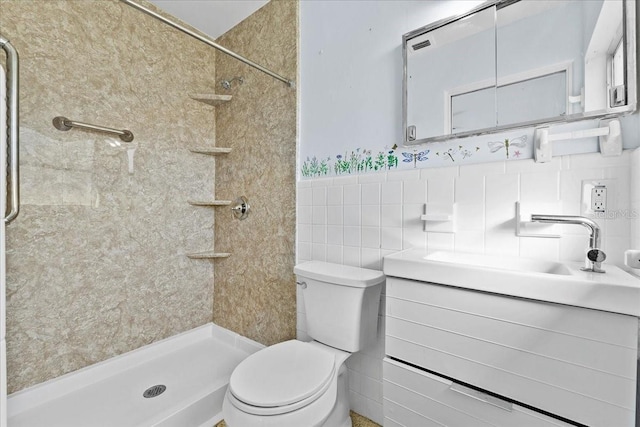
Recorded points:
(281, 378)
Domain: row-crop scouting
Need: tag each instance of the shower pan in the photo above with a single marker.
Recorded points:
(177, 382)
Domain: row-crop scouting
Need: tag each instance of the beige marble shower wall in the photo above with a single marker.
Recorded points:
(96, 259)
(255, 287)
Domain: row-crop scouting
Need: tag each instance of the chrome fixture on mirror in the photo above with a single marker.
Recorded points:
(241, 208)
(595, 255)
(492, 69)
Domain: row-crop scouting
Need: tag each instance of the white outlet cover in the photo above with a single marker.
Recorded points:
(599, 199)
(587, 187)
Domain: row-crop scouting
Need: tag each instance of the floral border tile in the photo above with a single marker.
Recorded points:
(361, 160)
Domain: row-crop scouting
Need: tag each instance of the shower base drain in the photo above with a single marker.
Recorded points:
(154, 391)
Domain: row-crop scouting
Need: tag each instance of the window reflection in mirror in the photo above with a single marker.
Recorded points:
(573, 36)
(472, 109)
(617, 68)
(533, 98)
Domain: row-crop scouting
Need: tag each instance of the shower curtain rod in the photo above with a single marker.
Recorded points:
(208, 41)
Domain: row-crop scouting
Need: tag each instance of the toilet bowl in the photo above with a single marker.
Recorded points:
(290, 384)
(304, 384)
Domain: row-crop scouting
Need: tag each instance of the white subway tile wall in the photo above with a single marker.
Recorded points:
(635, 198)
(357, 220)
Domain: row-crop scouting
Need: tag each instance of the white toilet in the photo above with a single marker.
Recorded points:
(304, 384)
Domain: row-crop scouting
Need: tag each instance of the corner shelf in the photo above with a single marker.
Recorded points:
(209, 202)
(212, 151)
(210, 98)
(208, 255)
(213, 100)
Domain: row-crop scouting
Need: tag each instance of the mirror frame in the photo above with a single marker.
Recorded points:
(630, 31)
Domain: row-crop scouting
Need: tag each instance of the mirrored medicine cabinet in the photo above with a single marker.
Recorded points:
(509, 64)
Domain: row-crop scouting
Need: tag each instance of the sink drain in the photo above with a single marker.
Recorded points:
(154, 391)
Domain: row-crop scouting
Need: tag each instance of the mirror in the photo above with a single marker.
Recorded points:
(509, 64)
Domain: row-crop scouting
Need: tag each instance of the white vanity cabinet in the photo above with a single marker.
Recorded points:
(528, 363)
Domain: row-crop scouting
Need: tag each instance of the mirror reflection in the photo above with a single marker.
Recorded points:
(515, 63)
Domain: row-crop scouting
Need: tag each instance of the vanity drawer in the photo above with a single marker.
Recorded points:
(416, 398)
(577, 363)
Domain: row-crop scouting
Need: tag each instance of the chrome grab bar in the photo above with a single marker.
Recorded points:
(13, 122)
(62, 123)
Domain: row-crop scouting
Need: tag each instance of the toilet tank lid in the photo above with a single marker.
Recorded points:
(345, 275)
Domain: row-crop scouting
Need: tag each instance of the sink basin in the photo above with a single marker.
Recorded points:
(557, 282)
(501, 263)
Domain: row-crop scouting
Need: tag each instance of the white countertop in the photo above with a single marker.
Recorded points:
(564, 283)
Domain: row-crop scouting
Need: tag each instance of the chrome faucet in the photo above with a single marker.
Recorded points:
(595, 255)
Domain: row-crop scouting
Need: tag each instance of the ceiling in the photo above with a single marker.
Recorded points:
(212, 17)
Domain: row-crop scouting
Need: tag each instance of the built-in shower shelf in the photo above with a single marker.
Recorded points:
(210, 202)
(213, 151)
(210, 98)
(208, 255)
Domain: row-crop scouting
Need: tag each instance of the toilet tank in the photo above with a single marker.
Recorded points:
(341, 303)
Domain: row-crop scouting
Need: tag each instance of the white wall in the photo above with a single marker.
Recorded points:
(350, 93)
(635, 199)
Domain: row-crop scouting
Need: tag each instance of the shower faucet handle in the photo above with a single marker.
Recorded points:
(241, 208)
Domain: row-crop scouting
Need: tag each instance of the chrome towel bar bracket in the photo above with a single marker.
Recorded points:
(64, 124)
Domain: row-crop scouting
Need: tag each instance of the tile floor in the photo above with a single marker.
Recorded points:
(357, 419)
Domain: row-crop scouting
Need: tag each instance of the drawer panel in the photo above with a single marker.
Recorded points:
(528, 366)
(550, 361)
(416, 398)
(596, 325)
(551, 399)
(580, 351)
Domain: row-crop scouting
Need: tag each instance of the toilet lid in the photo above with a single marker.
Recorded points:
(282, 374)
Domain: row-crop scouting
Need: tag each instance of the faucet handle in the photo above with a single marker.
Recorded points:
(594, 260)
(596, 255)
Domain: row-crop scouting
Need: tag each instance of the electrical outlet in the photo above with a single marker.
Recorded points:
(599, 198)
